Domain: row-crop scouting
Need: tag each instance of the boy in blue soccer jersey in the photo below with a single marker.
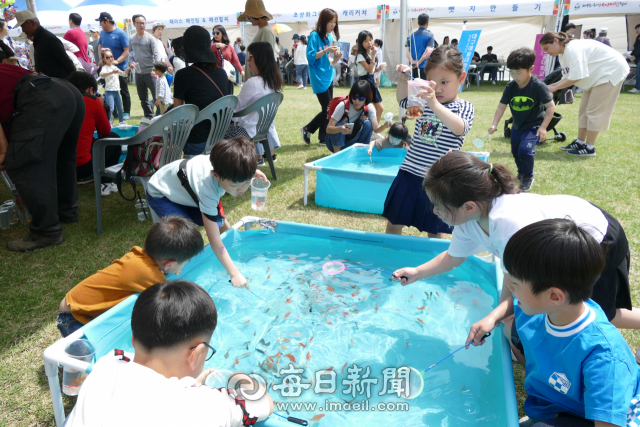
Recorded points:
(579, 369)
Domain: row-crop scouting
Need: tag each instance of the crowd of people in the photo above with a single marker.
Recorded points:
(565, 261)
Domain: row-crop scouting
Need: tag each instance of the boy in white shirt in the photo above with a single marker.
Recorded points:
(161, 384)
(164, 97)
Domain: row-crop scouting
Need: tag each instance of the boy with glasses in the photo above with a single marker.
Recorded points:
(161, 384)
(145, 54)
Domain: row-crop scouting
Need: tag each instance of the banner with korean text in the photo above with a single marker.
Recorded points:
(467, 45)
(540, 66)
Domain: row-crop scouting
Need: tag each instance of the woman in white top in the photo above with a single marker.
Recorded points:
(599, 71)
(266, 79)
(302, 64)
(377, 43)
(483, 204)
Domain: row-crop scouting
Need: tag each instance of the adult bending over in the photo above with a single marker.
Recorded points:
(596, 69)
(321, 70)
(266, 79)
(354, 119)
(200, 84)
(223, 50)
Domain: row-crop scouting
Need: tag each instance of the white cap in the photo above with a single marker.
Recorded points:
(604, 29)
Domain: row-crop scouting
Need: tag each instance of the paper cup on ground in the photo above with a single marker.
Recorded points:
(259, 191)
(72, 380)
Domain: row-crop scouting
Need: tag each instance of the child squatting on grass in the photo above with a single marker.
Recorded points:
(228, 169)
(579, 369)
(483, 203)
(170, 244)
(162, 383)
(527, 97)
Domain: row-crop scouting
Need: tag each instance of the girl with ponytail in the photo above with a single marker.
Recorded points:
(484, 205)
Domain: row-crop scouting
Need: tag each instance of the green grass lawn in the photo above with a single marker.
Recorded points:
(33, 284)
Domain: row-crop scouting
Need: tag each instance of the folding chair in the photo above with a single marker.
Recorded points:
(177, 123)
(266, 107)
(219, 113)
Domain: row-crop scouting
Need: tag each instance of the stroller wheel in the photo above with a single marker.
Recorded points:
(562, 137)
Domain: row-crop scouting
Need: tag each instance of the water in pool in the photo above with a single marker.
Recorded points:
(378, 163)
(352, 327)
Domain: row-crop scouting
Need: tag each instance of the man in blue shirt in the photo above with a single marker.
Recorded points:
(417, 45)
(117, 40)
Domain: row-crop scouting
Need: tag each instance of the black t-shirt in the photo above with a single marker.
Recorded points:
(527, 104)
(195, 88)
(489, 58)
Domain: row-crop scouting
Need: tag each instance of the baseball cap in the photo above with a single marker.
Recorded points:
(295, 36)
(23, 16)
(604, 29)
(94, 30)
(105, 16)
(158, 24)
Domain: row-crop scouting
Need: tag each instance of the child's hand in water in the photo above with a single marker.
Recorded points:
(239, 281)
(406, 275)
(479, 329)
(370, 150)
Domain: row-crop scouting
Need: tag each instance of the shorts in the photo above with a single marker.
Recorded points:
(611, 290)
(67, 324)
(407, 203)
(596, 106)
(163, 207)
(374, 89)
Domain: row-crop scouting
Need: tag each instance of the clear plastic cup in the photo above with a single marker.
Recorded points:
(5, 218)
(388, 117)
(142, 209)
(13, 211)
(259, 191)
(25, 216)
(415, 104)
(72, 379)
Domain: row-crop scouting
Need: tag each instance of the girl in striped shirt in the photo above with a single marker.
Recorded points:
(445, 121)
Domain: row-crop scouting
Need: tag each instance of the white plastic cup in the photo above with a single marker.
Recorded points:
(13, 211)
(388, 117)
(72, 379)
(259, 191)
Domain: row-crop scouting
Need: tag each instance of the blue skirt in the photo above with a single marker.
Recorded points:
(408, 204)
(374, 89)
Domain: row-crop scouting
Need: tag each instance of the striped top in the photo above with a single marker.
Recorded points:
(163, 90)
(432, 140)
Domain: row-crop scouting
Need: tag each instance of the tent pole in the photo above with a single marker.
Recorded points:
(403, 27)
(382, 22)
(31, 5)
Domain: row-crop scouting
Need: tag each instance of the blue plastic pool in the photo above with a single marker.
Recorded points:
(321, 323)
(354, 181)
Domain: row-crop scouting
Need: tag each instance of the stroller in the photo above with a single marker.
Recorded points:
(563, 96)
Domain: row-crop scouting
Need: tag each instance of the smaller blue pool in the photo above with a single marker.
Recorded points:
(352, 180)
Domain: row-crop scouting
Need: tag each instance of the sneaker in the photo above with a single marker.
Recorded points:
(574, 145)
(300, 87)
(634, 90)
(583, 151)
(274, 157)
(86, 180)
(321, 143)
(519, 177)
(106, 189)
(261, 163)
(33, 242)
(126, 116)
(493, 82)
(526, 183)
(305, 135)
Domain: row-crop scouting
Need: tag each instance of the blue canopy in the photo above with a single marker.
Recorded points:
(44, 5)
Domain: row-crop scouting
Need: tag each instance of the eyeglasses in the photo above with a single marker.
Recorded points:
(108, 57)
(217, 33)
(139, 23)
(210, 352)
(359, 98)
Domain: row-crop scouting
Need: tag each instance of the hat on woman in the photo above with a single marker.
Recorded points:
(197, 45)
(254, 9)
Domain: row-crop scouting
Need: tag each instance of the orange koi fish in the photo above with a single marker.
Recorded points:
(290, 356)
(437, 294)
(301, 345)
(421, 308)
(329, 323)
(475, 302)
(420, 320)
(268, 268)
(287, 315)
(376, 307)
(345, 365)
(246, 322)
(311, 340)
(237, 361)
(354, 294)
(286, 340)
(317, 418)
(328, 370)
(331, 289)
(411, 297)
(269, 277)
(288, 300)
(277, 354)
(308, 356)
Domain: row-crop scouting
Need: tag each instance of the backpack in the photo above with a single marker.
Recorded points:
(142, 160)
(357, 124)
